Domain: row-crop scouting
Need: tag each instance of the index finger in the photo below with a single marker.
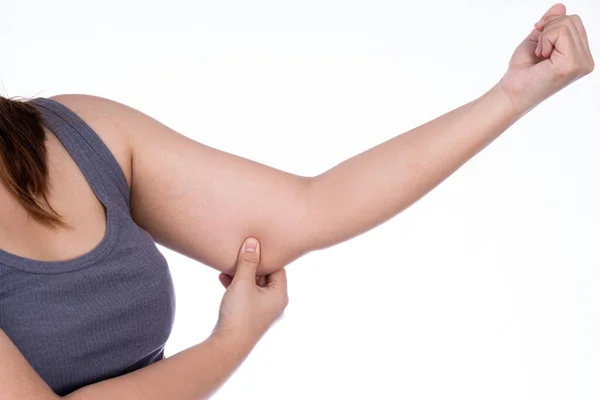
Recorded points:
(556, 11)
(277, 280)
(576, 22)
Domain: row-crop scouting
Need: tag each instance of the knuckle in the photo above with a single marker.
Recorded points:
(564, 30)
(573, 24)
(554, 18)
(575, 18)
(571, 20)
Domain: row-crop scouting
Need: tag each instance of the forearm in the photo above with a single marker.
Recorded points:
(371, 187)
(18, 379)
(193, 374)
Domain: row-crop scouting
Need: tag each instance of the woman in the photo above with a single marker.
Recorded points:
(92, 323)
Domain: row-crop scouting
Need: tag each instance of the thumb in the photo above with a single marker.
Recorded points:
(247, 262)
(556, 10)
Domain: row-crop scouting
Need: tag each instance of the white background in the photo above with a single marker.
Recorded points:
(487, 288)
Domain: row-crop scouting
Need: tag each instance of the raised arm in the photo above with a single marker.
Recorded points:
(372, 187)
(201, 201)
(377, 184)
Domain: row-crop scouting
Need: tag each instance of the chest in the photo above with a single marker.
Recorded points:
(93, 321)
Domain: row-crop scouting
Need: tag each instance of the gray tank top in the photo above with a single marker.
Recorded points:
(103, 314)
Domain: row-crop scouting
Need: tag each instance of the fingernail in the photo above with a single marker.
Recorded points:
(541, 22)
(251, 245)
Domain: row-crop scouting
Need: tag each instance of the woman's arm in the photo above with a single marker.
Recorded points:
(201, 202)
(295, 215)
(192, 374)
(246, 313)
(18, 379)
(371, 187)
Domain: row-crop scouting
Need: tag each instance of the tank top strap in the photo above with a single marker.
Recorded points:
(88, 150)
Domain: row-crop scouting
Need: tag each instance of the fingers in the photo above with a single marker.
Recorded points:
(581, 29)
(545, 22)
(277, 280)
(261, 281)
(277, 284)
(247, 263)
(560, 38)
(574, 22)
(557, 10)
(225, 279)
(555, 26)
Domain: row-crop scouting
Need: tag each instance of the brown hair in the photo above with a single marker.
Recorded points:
(23, 159)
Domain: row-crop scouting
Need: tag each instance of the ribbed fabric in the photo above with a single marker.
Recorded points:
(103, 314)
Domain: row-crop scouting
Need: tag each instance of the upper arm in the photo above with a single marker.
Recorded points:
(203, 202)
(18, 379)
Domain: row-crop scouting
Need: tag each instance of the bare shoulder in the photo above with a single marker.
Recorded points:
(105, 117)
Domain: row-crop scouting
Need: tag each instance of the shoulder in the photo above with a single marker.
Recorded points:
(103, 116)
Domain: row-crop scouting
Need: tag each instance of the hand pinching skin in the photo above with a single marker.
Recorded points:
(249, 308)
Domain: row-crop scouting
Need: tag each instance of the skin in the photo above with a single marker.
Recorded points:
(206, 214)
(246, 313)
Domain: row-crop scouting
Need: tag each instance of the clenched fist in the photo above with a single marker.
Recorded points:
(555, 54)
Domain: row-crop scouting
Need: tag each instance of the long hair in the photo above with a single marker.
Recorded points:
(23, 159)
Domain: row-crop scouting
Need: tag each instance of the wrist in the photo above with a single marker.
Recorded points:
(518, 98)
(506, 98)
(234, 338)
(504, 103)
